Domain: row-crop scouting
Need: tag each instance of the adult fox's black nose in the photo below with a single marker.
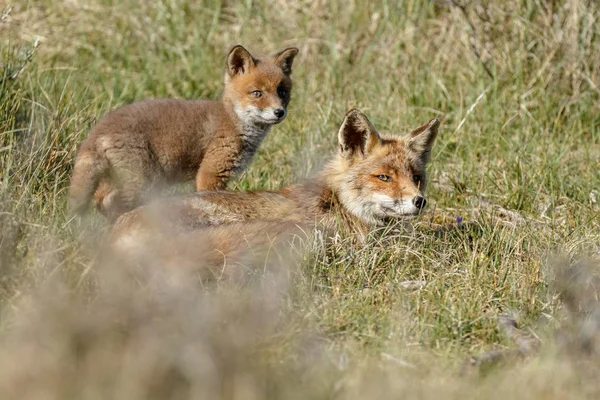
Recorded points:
(419, 202)
(279, 112)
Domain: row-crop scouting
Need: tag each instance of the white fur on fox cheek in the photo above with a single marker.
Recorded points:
(253, 114)
(405, 207)
(248, 114)
(356, 206)
(382, 198)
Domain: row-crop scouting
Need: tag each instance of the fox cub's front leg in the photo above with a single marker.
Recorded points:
(218, 166)
(208, 178)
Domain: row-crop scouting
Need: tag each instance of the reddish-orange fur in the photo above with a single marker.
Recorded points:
(139, 147)
(350, 191)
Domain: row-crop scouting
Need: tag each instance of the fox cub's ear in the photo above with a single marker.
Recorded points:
(420, 141)
(285, 58)
(239, 61)
(357, 136)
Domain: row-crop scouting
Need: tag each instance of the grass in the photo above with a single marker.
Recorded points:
(517, 86)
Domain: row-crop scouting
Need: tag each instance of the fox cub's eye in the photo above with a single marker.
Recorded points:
(384, 178)
(257, 94)
(417, 178)
(282, 92)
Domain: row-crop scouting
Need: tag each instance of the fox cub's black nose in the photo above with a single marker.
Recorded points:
(279, 113)
(419, 202)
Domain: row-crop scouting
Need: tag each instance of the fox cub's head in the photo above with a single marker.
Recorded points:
(259, 88)
(380, 178)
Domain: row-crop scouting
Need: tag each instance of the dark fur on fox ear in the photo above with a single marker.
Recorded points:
(420, 141)
(239, 61)
(285, 58)
(357, 135)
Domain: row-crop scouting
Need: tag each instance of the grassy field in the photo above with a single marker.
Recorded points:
(516, 84)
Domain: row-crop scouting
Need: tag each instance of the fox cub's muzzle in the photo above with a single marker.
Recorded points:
(270, 115)
(275, 114)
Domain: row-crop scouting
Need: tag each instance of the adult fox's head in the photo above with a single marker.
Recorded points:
(259, 88)
(380, 178)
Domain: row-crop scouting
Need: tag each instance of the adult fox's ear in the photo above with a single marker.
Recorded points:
(239, 61)
(285, 58)
(357, 136)
(420, 141)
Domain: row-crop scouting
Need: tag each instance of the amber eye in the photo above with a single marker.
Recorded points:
(384, 178)
(282, 92)
(257, 94)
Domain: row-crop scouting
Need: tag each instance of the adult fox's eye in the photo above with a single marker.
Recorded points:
(282, 92)
(384, 178)
(417, 178)
(257, 94)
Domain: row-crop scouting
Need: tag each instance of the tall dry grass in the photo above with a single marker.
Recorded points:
(516, 166)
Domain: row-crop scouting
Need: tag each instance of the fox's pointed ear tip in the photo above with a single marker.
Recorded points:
(237, 47)
(288, 51)
(353, 112)
(434, 123)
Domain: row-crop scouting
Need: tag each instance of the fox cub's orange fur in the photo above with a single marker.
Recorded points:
(372, 180)
(135, 148)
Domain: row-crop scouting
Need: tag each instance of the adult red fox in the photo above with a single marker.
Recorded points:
(139, 146)
(372, 180)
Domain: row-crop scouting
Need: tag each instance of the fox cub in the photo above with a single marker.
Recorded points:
(372, 180)
(135, 148)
